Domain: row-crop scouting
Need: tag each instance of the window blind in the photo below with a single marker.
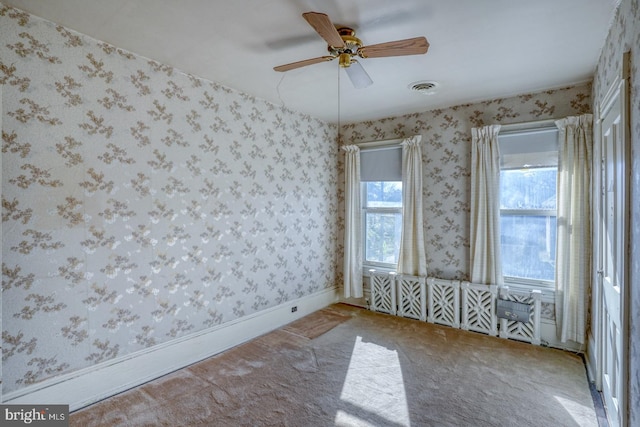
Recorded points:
(529, 148)
(381, 164)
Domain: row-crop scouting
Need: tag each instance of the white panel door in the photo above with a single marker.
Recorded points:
(613, 250)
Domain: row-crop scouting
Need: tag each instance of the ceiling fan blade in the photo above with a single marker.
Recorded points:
(323, 26)
(294, 65)
(414, 46)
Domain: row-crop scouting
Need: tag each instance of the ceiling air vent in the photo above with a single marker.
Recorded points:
(424, 87)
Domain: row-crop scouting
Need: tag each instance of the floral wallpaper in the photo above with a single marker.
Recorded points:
(446, 136)
(141, 204)
(624, 36)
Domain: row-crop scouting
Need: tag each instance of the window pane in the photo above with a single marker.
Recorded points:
(528, 246)
(383, 232)
(533, 188)
(383, 194)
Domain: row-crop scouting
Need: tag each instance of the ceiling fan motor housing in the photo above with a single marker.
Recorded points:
(351, 48)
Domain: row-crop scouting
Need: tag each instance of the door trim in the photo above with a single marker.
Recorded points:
(594, 338)
(619, 91)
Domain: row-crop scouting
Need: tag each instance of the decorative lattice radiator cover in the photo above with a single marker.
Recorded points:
(444, 302)
(453, 303)
(478, 308)
(412, 297)
(383, 292)
(522, 331)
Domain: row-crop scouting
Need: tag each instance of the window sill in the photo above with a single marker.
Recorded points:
(377, 268)
(548, 292)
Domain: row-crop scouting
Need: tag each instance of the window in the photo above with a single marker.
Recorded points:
(381, 181)
(528, 179)
(382, 222)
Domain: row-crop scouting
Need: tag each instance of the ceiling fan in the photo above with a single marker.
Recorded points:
(344, 45)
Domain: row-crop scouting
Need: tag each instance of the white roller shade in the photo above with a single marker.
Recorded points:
(529, 148)
(381, 164)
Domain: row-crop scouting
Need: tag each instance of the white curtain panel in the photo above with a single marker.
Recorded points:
(352, 230)
(413, 258)
(485, 258)
(573, 257)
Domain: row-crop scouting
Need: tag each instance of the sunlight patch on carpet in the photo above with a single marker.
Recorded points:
(577, 411)
(347, 420)
(375, 384)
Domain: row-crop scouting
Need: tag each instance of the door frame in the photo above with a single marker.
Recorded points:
(594, 336)
(618, 91)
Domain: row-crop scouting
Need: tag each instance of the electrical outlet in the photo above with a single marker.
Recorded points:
(294, 308)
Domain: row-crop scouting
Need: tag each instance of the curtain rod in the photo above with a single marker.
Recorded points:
(384, 143)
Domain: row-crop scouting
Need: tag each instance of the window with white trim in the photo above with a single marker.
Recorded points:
(381, 183)
(528, 177)
(382, 222)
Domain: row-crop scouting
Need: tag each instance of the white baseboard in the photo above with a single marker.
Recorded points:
(89, 385)
(548, 335)
(358, 302)
(591, 361)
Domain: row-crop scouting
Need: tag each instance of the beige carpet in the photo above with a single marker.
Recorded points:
(346, 366)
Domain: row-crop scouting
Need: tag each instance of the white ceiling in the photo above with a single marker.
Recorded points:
(480, 49)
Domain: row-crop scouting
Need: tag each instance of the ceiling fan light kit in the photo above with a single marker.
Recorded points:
(344, 45)
(358, 75)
